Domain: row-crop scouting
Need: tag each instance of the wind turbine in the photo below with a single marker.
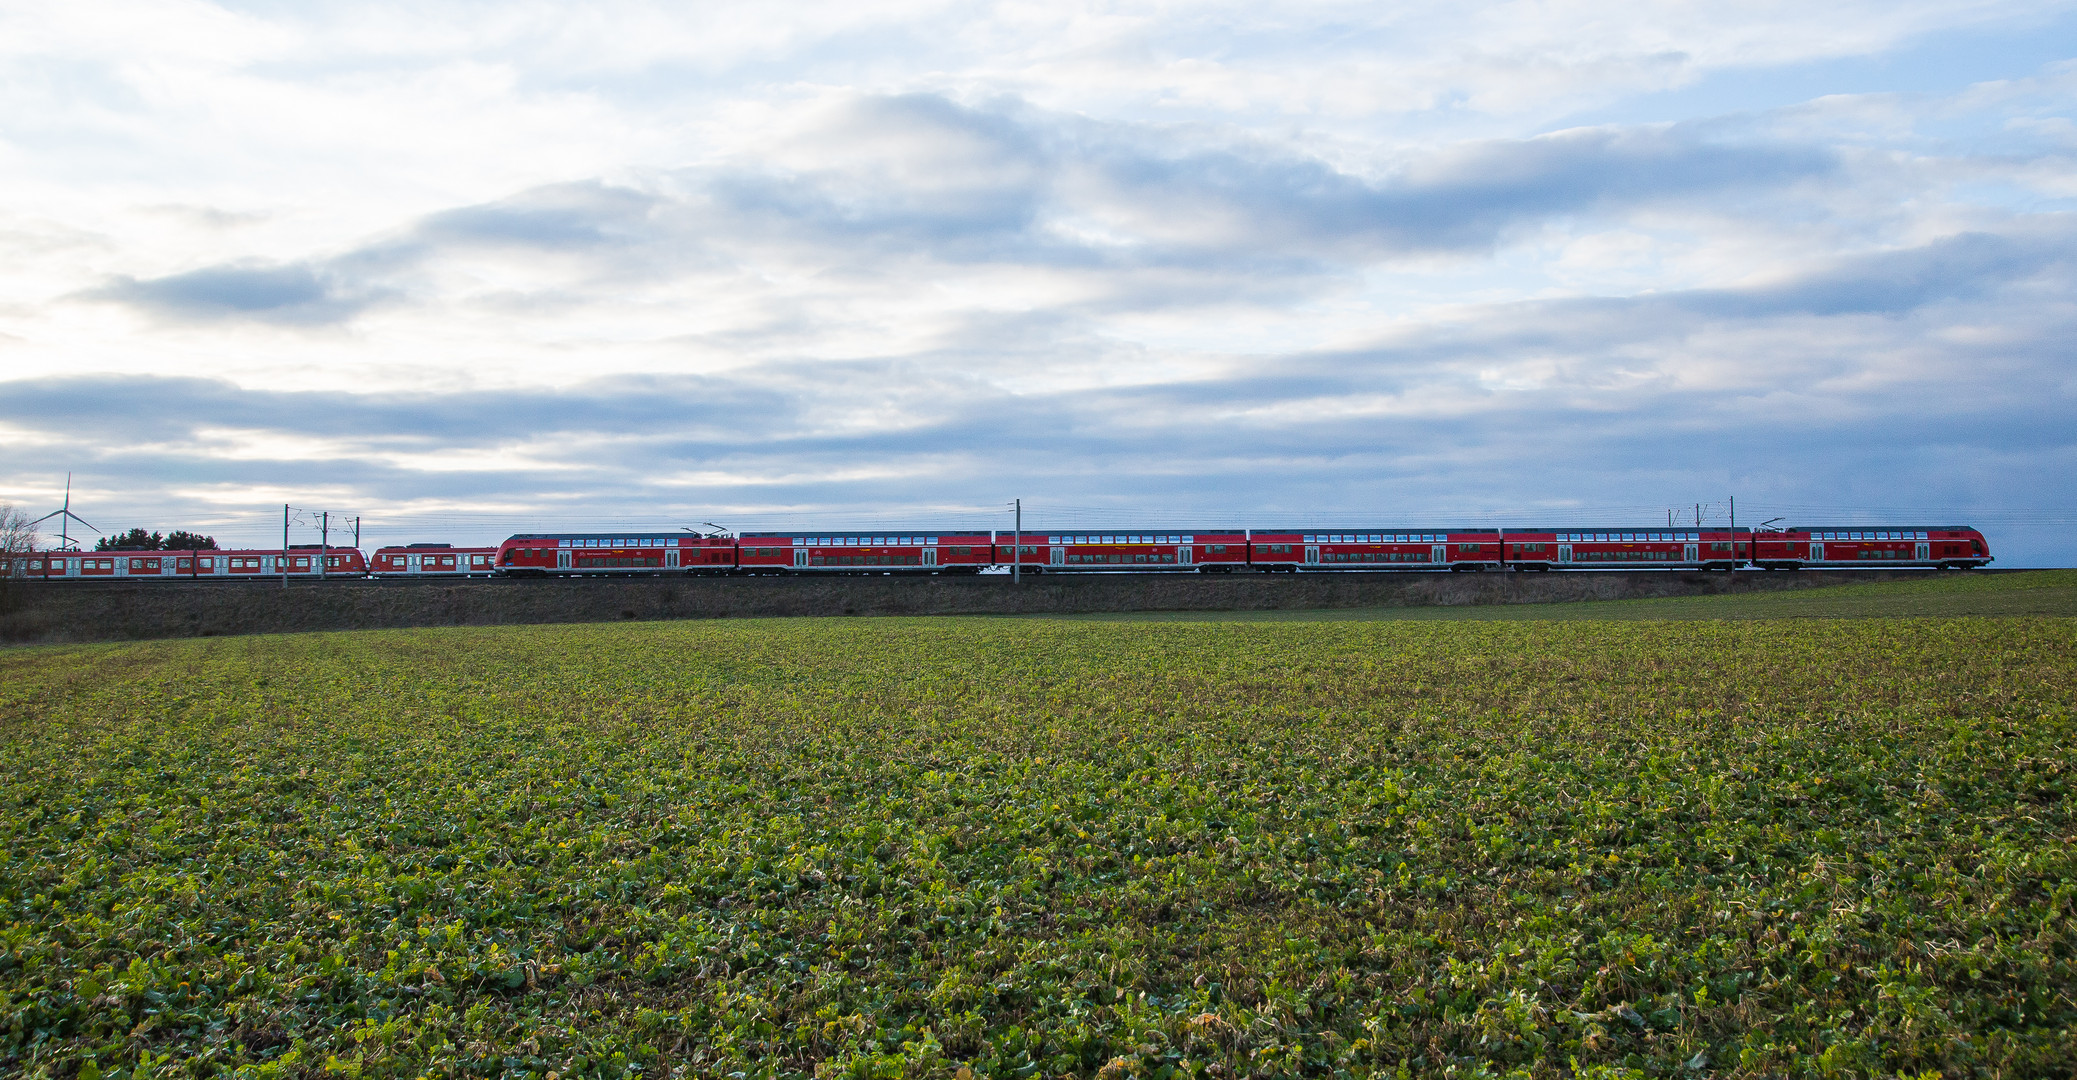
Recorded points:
(65, 518)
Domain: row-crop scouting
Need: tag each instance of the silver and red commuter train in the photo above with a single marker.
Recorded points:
(925, 551)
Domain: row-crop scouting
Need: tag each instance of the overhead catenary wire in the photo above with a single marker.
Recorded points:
(251, 529)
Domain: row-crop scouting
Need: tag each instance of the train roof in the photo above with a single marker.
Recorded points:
(1141, 530)
(1316, 529)
(638, 536)
(1864, 528)
(899, 530)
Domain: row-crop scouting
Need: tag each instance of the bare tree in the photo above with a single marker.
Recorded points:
(17, 539)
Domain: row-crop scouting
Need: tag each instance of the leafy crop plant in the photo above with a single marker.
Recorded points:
(965, 848)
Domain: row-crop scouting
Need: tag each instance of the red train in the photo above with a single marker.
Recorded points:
(297, 561)
(926, 551)
(1226, 550)
(433, 560)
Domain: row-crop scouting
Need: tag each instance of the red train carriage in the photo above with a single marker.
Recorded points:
(1375, 548)
(299, 561)
(1211, 551)
(910, 551)
(1621, 549)
(611, 554)
(433, 560)
(1945, 546)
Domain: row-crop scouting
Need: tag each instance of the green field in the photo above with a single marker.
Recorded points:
(989, 847)
(2033, 592)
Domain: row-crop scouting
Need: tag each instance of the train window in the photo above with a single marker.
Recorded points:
(1216, 549)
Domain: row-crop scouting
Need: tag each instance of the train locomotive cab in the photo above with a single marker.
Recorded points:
(1948, 547)
(613, 555)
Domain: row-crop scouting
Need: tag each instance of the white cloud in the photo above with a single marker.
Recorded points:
(838, 253)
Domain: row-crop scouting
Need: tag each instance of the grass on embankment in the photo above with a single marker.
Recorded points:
(1939, 594)
(934, 847)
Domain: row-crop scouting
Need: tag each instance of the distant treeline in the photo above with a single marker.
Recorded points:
(139, 540)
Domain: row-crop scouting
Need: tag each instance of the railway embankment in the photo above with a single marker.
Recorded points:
(124, 611)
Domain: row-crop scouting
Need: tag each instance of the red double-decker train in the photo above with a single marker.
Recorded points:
(1218, 550)
(1227, 550)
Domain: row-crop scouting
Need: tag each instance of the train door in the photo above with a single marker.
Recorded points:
(1057, 557)
(1564, 553)
(1440, 553)
(411, 563)
(1312, 555)
(1692, 552)
(930, 556)
(1924, 552)
(800, 557)
(1817, 552)
(562, 558)
(670, 558)
(1183, 554)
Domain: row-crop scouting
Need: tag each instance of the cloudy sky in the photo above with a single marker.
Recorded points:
(471, 268)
